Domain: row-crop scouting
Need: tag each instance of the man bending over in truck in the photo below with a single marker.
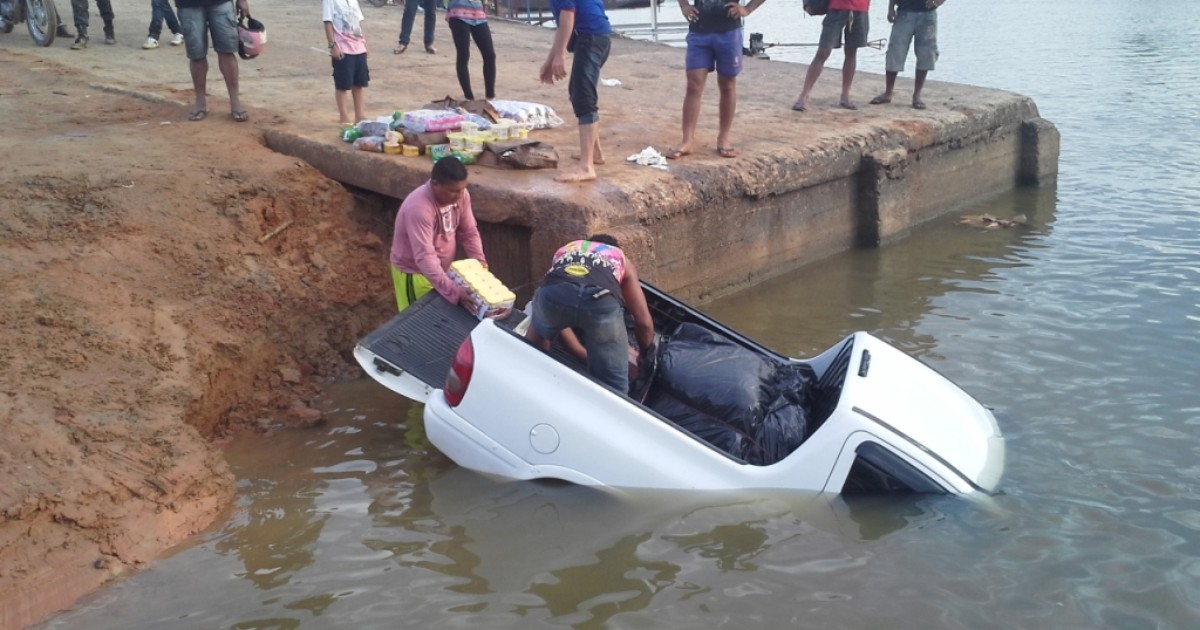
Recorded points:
(588, 288)
(432, 221)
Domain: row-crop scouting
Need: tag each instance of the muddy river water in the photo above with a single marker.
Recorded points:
(1080, 330)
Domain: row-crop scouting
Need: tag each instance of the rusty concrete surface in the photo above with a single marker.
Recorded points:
(804, 186)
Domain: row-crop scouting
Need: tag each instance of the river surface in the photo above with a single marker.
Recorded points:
(1080, 330)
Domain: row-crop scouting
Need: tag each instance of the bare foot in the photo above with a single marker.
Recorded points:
(576, 177)
(596, 159)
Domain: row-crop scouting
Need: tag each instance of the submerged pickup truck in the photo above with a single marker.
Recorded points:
(716, 411)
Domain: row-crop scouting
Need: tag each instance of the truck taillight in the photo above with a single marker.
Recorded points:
(460, 373)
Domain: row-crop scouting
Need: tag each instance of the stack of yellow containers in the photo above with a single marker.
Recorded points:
(491, 297)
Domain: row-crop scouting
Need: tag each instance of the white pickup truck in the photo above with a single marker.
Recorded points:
(717, 412)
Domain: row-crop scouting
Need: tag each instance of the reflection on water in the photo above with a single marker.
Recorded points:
(1080, 330)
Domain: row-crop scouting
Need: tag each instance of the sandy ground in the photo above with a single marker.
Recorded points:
(161, 288)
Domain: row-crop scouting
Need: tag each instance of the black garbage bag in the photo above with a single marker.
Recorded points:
(721, 435)
(741, 402)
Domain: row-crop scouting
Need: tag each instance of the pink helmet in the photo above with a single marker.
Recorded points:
(252, 38)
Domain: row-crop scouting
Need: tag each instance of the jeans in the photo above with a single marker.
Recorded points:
(601, 322)
(591, 51)
(410, 14)
(79, 10)
(161, 10)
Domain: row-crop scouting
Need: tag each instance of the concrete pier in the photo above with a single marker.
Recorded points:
(804, 185)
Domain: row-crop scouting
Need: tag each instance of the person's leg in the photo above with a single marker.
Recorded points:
(607, 342)
(482, 34)
(729, 66)
(362, 78)
(927, 53)
(849, 66)
(897, 51)
(696, 79)
(79, 13)
(698, 61)
(810, 77)
(591, 51)
(223, 25)
(857, 29)
(171, 19)
(106, 14)
(194, 24)
(406, 23)
(460, 33)
(430, 23)
(728, 87)
(339, 96)
(156, 19)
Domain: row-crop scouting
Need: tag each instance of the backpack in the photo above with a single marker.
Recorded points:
(816, 7)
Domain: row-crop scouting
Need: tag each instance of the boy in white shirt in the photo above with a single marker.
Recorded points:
(348, 47)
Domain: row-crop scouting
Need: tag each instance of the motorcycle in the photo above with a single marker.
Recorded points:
(39, 15)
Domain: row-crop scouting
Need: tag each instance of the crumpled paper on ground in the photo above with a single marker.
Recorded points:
(649, 157)
(610, 82)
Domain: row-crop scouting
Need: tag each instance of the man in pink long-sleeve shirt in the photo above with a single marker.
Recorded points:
(433, 220)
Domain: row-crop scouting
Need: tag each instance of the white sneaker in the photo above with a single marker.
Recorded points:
(151, 43)
(177, 40)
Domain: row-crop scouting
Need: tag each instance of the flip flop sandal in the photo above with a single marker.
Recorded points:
(727, 152)
(674, 154)
(918, 104)
(799, 106)
(240, 115)
(197, 115)
(848, 105)
(880, 100)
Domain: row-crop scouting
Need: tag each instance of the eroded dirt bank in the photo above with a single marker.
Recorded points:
(163, 286)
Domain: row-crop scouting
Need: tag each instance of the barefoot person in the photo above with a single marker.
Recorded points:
(848, 17)
(199, 19)
(348, 48)
(714, 42)
(913, 22)
(583, 29)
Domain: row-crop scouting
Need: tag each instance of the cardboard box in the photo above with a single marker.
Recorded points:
(422, 140)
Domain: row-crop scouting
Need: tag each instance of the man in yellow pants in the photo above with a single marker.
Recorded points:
(432, 222)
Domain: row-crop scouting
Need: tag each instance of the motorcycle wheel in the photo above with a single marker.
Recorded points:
(42, 19)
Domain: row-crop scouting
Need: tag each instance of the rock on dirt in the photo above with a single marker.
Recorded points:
(145, 315)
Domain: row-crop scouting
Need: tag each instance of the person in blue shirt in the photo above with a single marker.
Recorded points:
(583, 29)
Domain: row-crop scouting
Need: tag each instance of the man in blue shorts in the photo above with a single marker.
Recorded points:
(913, 22)
(583, 29)
(714, 42)
(197, 19)
(845, 17)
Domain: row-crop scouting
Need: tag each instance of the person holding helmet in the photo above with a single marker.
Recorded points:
(199, 19)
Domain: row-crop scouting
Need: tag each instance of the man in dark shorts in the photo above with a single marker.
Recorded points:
(584, 30)
(199, 18)
(848, 17)
(714, 43)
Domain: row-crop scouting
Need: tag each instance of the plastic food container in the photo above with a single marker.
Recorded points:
(410, 150)
(473, 143)
(458, 140)
(469, 128)
(391, 148)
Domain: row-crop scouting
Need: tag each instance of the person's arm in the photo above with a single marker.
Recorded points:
(420, 228)
(334, 50)
(635, 301)
(690, 13)
(571, 343)
(738, 11)
(468, 230)
(555, 68)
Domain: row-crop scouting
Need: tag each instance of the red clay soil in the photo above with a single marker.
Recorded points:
(165, 283)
